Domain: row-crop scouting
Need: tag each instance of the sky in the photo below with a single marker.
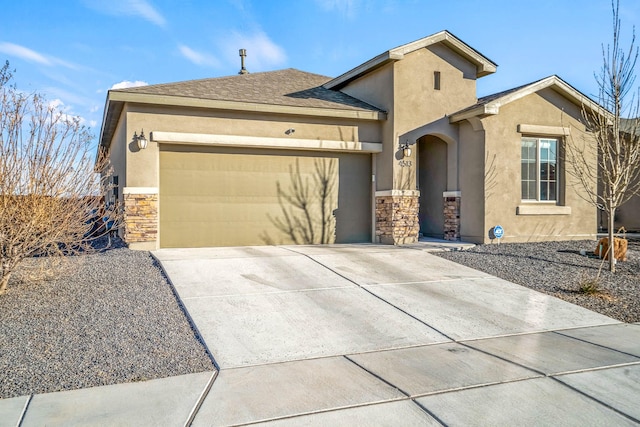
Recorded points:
(74, 51)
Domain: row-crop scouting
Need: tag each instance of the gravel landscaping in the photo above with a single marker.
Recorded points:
(110, 318)
(558, 269)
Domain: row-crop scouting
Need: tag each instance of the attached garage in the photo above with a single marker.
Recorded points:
(228, 196)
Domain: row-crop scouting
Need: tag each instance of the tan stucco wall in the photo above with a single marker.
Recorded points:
(471, 171)
(545, 108)
(377, 89)
(405, 89)
(161, 119)
(118, 154)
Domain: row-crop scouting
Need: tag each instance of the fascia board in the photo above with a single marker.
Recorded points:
(182, 101)
(363, 69)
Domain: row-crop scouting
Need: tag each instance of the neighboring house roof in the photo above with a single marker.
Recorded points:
(484, 65)
(631, 125)
(490, 105)
(288, 91)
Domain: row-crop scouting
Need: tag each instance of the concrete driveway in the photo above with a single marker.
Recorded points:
(383, 335)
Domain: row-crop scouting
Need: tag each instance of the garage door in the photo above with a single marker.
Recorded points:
(218, 196)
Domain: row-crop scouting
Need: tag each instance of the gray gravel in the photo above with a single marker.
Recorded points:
(111, 318)
(557, 268)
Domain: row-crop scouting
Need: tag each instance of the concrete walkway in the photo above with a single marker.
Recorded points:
(368, 335)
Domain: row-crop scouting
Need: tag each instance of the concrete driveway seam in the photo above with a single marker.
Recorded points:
(596, 344)
(596, 400)
(372, 293)
(201, 398)
(24, 410)
(378, 377)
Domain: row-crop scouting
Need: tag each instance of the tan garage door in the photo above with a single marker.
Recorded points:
(218, 196)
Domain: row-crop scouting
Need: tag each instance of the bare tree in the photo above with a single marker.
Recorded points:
(615, 128)
(51, 189)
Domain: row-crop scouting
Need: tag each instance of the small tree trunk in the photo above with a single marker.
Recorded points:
(4, 282)
(612, 259)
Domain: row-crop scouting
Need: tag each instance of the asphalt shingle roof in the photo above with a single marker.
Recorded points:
(289, 87)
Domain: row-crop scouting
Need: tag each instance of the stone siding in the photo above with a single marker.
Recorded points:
(452, 218)
(397, 219)
(140, 217)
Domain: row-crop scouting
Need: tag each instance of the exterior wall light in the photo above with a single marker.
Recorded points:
(406, 150)
(289, 131)
(141, 140)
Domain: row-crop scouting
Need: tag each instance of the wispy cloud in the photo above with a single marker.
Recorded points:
(262, 52)
(31, 55)
(24, 53)
(141, 8)
(346, 8)
(125, 84)
(198, 58)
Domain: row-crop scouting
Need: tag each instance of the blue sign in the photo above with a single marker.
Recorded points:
(498, 232)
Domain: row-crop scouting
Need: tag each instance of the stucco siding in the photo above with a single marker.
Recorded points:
(543, 221)
(471, 172)
(377, 89)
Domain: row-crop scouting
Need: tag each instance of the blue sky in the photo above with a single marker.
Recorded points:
(73, 51)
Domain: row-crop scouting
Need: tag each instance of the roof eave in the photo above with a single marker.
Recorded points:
(362, 69)
(117, 99)
(484, 66)
(480, 110)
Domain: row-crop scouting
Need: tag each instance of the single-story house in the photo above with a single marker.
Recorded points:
(628, 214)
(397, 147)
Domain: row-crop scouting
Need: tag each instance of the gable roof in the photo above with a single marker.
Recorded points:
(287, 91)
(484, 65)
(490, 104)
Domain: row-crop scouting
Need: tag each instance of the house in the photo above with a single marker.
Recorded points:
(626, 217)
(394, 148)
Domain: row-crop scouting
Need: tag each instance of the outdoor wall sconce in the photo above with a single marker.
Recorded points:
(289, 131)
(140, 140)
(406, 150)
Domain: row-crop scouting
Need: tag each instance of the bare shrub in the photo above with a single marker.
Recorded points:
(51, 185)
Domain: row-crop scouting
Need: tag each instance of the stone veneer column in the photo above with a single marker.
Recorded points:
(140, 215)
(397, 217)
(452, 215)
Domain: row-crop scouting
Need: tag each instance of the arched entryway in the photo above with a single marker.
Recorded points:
(432, 183)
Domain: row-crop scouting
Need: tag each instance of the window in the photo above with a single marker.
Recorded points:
(539, 169)
(436, 80)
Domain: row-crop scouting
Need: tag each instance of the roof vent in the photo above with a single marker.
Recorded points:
(243, 54)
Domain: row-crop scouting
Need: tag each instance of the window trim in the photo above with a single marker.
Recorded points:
(538, 139)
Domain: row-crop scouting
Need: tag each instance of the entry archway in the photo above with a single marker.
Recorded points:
(432, 183)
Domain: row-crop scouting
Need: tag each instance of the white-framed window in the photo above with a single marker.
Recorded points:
(539, 169)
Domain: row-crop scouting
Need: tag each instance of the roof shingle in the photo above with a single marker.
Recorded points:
(289, 87)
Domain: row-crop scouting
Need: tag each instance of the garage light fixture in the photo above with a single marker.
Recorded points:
(140, 140)
(289, 131)
(406, 150)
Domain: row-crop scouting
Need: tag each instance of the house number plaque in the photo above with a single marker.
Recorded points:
(405, 163)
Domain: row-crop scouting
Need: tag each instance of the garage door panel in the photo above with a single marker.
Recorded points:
(221, 197)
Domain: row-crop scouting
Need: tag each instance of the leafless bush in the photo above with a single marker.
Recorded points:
(51, 186)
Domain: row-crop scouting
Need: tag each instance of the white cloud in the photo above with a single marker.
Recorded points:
(262, 52)
(346, 8)
(24, 53)
(198, 58)
(148, 12)
(125, 84)
(65, 113)
(141, 8)
(31, 55)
